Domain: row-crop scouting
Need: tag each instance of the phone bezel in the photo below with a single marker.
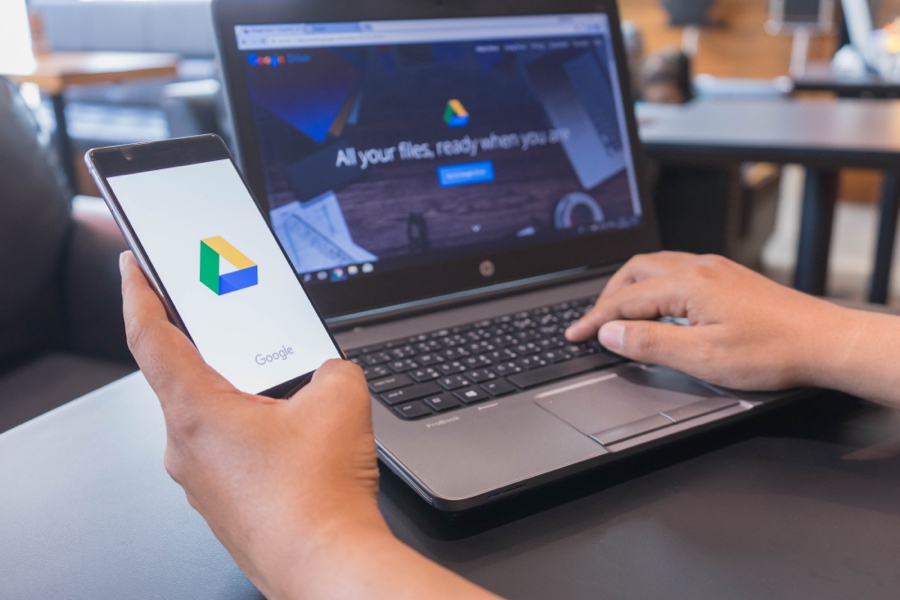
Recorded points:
(129, 159)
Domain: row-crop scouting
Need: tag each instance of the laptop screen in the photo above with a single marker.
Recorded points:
(391, 144)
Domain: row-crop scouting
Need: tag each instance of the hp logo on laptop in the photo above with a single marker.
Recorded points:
(486, 268)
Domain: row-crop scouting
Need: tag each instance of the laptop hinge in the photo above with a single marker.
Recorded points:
(494, 292)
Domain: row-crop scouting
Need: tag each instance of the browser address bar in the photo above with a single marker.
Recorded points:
(309, 40)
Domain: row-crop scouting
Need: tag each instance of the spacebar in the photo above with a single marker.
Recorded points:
(583, 364)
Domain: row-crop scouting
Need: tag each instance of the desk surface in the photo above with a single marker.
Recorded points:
(89, 512)
(55, 71)
(820, 77)
(834, 133)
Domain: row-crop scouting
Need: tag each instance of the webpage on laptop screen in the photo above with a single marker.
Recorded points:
(392, 143)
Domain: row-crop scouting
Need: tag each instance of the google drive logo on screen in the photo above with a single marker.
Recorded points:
(455, 114)
(211, 251)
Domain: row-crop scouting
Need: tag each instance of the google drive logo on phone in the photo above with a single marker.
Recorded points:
(215, 249)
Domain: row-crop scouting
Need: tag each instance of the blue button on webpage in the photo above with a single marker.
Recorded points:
(466, 174)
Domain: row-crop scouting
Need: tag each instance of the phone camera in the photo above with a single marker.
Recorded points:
(127, 154)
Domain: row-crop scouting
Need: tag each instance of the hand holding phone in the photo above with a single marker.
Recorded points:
(209, 253)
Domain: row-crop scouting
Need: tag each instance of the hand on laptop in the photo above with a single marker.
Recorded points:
(288, 486)
(746, 331)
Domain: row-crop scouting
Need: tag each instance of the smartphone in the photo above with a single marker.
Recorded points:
(208, 251)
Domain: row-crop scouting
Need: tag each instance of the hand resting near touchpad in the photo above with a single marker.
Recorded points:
(627, 394)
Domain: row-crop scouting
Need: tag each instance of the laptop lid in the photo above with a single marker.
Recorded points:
(412, 149)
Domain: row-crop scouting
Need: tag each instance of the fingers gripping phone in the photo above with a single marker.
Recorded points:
(206, 248)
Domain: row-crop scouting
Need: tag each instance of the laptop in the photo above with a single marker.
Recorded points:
(453, 182)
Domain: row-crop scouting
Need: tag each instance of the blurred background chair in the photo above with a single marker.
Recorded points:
(61, 327)
(728, 210)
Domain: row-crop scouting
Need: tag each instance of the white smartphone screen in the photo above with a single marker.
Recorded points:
(225, 274)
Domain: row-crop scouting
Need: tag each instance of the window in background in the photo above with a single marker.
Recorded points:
(16, 55)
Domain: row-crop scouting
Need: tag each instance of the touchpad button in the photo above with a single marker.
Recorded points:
(626, 394)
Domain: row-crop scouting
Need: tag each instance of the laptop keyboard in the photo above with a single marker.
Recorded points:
(448, 369)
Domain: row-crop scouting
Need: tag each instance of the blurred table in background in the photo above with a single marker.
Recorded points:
(820, 77)
(823, 136)
(55, 72)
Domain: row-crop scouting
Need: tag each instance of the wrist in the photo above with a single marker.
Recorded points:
(815, 352)
(831, 343)
(307, 553)
(321, 566)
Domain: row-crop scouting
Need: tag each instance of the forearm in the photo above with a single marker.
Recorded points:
(374, 564)
(860, 355)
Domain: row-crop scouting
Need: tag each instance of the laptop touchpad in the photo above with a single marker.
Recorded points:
(622, 396)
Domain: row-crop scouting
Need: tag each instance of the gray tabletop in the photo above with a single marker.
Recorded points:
(89, 512)
(835, 133)
(820, 77)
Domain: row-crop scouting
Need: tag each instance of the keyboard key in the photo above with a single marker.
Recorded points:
(481, 347)
(427, 360)
(454, 382)
(527, 335)
(498, 387)
(402, 366)
(402, 352)
(502, 355)
(526, 349)
(426, 374)
(452, 340)
(505, 341)
(550, 343)
(451, 368)
(471, 395)
(576, 366)
(554, 356)
(376, 372)
(442, 402)
(480, 375)
(596, 347)
(412, 410)
(473, 362)
(454, 353)
(389, 383)
(578, 349)
(507, 368)
(531, 362)
(375, 358)
(428, 347)
(476, 335)
(413, 392)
